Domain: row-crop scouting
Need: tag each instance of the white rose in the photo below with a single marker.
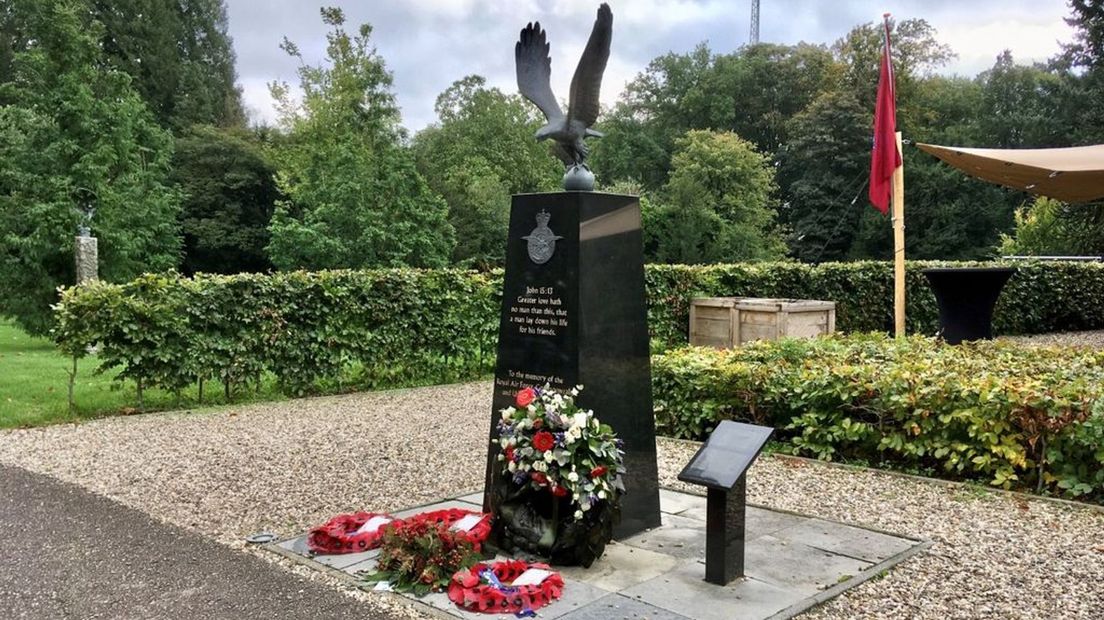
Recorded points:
(601, 495)
(585, 505)
(513, 442)
(574, 477)
(512, 467)
(578, 514)
(548, 457)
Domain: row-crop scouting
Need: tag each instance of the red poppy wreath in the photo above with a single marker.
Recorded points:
(348, 534)
(482, 588)
(476, 534)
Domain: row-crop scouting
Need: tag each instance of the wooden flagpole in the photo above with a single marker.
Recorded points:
(899, 244)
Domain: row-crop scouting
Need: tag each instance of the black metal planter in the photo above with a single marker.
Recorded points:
(966, 298)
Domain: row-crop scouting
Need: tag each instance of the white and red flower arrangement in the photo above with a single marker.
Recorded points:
(550, 443)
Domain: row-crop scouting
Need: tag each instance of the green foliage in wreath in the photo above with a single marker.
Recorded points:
(421, 557)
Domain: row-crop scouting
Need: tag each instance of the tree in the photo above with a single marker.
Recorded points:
(752, 92)
(73, 135)
(1052, 228)
(481, 150)
(718, 203)
(355, 198)
(1020, 107)
(229, 195)
(823, 171)
(916, 55)
(178, 53)
(1087, 20)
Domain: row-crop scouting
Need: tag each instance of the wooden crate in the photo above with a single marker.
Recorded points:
(725, 322)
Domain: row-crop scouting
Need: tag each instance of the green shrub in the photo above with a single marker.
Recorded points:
(337, 330)
(1016, 416)
(313, 331)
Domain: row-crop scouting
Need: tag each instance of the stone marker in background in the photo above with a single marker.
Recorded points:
(573, 312)
(87, 257)
(85, 248)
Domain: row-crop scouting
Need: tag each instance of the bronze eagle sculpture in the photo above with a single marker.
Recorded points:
(534, 72)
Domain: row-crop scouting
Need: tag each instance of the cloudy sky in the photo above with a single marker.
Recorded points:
(428, 44)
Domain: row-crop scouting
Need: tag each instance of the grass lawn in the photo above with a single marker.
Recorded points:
(34, 380)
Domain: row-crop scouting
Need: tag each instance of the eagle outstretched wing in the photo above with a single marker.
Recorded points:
(534, 71)
(587, 83)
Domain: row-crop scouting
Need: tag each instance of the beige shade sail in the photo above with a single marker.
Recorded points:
(1074, 174)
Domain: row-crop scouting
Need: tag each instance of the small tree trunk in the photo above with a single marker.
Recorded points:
(226, 389)
(201, 390)
(1042, 465)
(72, 381)
(141, 400)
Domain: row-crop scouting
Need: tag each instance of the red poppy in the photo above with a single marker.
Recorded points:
(598, 471)
(539, 478)
(526, 396)
(559, 491)
(543, 441)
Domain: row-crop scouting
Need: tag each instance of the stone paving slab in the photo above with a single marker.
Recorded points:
(793, 562)
(445, 505)
(677, 536)
(673, 502)
(855, 542)
(622, 566)
(620, 607)
(684, 591)
(798, 568)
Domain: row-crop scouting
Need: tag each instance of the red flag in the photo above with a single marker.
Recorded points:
(884, 157)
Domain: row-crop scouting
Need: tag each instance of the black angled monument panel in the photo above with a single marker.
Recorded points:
(721, 466)
(574, 312)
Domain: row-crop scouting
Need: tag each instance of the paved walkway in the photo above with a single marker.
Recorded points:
(68, 553)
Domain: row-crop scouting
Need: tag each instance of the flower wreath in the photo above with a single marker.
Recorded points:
(339, 534)
(476, 535)
(481, 588)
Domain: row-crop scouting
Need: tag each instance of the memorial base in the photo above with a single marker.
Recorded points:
(534, 522)
(795, 562)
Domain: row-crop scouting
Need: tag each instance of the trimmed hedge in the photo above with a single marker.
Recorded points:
(1013, 415)
(332, 330)
(313, 331)
(1042, 297)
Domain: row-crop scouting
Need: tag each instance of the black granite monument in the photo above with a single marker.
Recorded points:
(721, 466)
(573, 312)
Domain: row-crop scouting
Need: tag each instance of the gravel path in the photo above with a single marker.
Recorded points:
(1094, 339)
(285, 466)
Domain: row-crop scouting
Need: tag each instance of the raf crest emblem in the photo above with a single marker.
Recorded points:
(542, 241)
